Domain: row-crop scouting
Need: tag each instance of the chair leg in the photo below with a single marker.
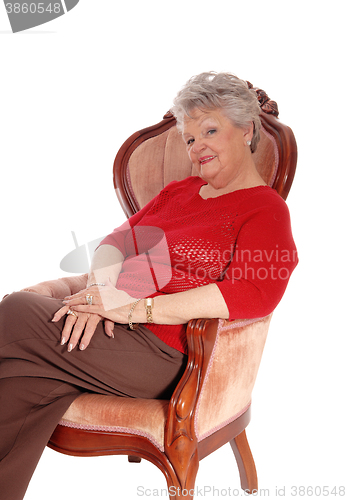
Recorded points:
(133, 459)
(179, 490)
(181, 473)
(245, 463)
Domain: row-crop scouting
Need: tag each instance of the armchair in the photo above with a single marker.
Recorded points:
(211, 404)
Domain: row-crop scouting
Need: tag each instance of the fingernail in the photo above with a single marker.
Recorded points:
(63, 340)
(70, 347)
(82, 346)
(53, 320)
(65, 301)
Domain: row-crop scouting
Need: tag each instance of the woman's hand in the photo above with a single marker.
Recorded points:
(107, 302)
(79, 328)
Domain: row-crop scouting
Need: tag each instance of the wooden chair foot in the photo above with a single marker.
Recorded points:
(133, 459)
(245, 463)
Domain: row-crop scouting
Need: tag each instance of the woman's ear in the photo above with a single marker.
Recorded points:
(248, 132)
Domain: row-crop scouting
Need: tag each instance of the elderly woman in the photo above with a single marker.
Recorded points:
(214, 245)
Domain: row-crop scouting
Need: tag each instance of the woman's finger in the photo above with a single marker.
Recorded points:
(81, 299)
(109, 327)
(68, 326)
(60, 313)
(87, 309)
(77, 331)
(89, 331)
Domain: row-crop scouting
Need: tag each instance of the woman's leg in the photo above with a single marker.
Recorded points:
(39, 379)
(30, 410)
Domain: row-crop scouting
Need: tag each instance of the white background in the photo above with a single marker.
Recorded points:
(74, 89)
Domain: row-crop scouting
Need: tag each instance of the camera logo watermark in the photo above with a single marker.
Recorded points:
(24, 15)
(148, 259)
(79, 259)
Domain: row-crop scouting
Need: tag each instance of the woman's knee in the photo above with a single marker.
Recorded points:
(15, 302)
(21, 312)
(10, 302)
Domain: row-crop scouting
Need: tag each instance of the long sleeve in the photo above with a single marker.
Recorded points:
(263, 260)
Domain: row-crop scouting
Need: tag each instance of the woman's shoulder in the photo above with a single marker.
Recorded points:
(264, 201)
(261, 195)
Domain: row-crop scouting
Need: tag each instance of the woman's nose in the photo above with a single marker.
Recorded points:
(198, 146)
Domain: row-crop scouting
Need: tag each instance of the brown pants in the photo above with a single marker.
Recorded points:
(39, 379)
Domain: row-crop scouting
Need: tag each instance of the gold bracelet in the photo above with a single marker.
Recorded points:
(149, 304)
(131, 326)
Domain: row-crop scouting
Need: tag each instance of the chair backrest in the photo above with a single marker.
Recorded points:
(155, 156)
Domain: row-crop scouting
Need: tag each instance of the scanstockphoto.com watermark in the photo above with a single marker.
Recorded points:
(214, 492)
(205, 491)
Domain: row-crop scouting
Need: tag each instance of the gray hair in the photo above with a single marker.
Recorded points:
(222, 91)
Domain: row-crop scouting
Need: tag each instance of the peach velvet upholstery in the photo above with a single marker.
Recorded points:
(143, 417)
(227, 389)
(231, 374)
(164, 158)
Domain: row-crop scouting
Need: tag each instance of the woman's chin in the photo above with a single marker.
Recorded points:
(208, 174)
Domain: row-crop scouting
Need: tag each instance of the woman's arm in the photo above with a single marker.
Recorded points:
(178, 308)
(106, 265)
(174, 309)
(253, 285)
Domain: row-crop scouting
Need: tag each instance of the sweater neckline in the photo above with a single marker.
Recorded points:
(238, 194)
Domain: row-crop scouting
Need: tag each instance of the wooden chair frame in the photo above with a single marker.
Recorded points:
(180, 460)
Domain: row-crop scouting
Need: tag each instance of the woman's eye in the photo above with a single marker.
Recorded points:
(212, 131)
(190, 141)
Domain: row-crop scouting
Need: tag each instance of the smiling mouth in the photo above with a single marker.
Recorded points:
(206, 159)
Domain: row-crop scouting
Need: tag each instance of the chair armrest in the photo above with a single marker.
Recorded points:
(59, 288)
(201, 337)
(223, 361)
(227, 387)
(180, 440)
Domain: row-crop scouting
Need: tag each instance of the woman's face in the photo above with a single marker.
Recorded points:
(216, 147)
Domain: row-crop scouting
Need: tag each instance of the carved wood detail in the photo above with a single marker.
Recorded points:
(181, 445)
(266, 104)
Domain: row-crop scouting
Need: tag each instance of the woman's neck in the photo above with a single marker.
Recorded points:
(210, 191)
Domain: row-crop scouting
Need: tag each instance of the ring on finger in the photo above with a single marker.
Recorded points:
(89, 299)
(72, 313)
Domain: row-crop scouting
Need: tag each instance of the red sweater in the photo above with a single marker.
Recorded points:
(241, 241)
